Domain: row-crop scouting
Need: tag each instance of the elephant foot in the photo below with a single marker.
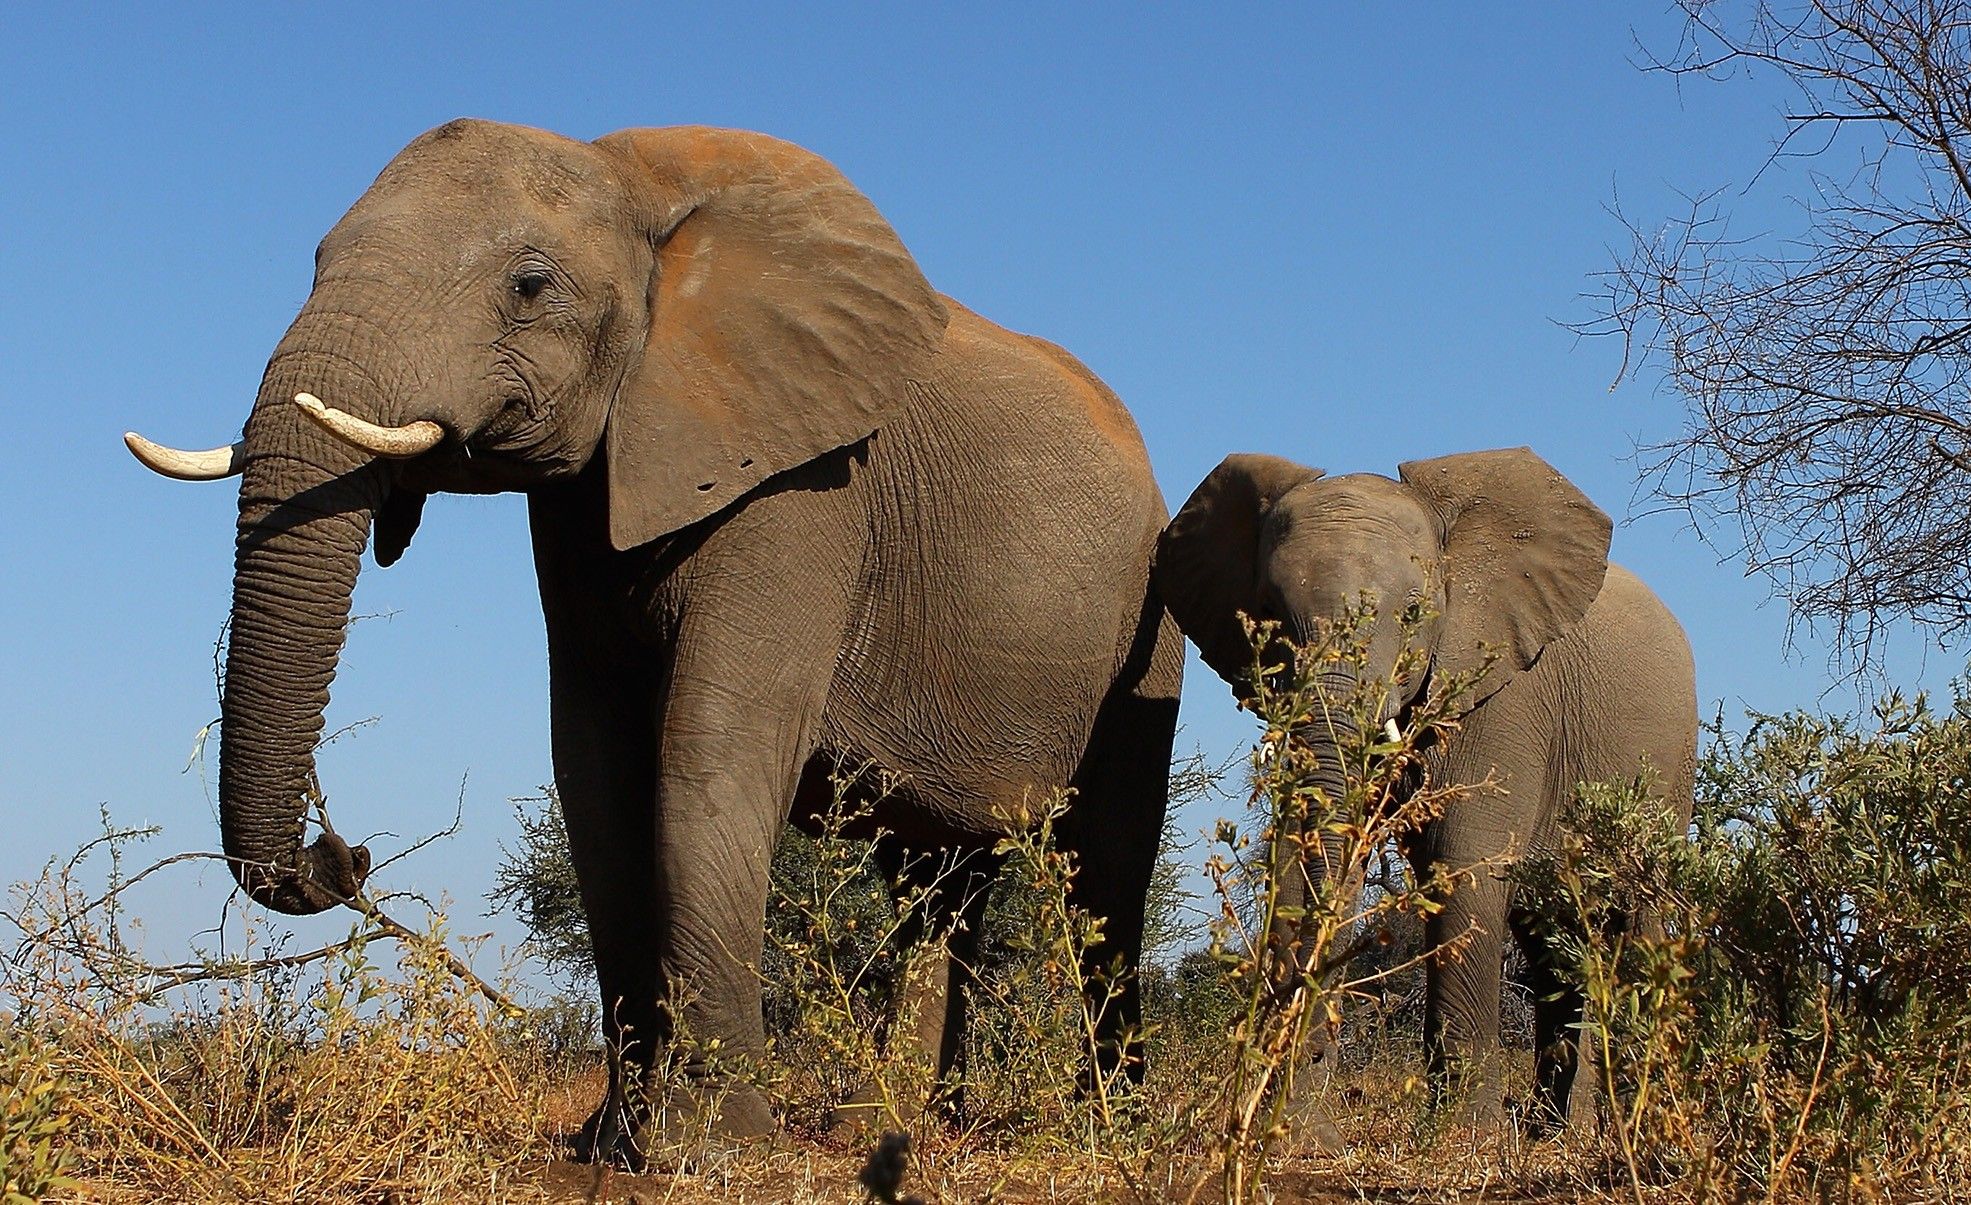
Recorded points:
(1308, 1111)
(1312, 1123)
(1537, 1120)
(872, 1111)
(1480, 1111)
(603, 1137)
(1317, 1132)
(1480, 1114)
(1469, 1094)
(678, 1133)
(732, 1113)
(855, 1121)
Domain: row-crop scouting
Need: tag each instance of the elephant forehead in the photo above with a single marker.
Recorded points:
(481, 161)
(1364, 504)
(462, 216)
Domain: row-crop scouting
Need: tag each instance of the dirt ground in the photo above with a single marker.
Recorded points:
(821, 1177)
(799, 1170)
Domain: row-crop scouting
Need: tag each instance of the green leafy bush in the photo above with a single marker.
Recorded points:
(1799, 1020)
(35, 1157)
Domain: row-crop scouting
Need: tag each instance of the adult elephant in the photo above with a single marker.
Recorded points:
(1587, 677)
(791, 510)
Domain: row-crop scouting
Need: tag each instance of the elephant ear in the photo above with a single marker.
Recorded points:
(786, 320)
(1525, 553)
(1207, 560)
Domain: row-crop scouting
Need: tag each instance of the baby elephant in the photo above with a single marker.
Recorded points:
(1593, 677)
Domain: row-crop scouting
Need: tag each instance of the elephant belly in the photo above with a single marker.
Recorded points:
(972, 734)
(1013, 517)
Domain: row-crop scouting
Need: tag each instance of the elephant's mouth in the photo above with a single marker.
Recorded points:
(1399, 723)
(519, 423)
(1403, 722)
(526, 432)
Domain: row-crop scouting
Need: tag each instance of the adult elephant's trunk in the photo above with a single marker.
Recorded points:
(306, 501)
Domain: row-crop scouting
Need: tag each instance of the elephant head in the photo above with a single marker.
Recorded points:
(698, 309)
(1503, 552)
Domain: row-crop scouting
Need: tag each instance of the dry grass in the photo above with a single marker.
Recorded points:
(339, 1079)
(381, 1069)
(361, 1078)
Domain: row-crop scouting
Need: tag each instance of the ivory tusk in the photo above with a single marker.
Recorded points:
(1389, 730)
(412, 439)
(210, 465)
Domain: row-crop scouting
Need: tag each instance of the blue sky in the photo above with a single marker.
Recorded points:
(1348, 238)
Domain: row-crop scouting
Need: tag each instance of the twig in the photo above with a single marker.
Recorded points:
(163, 979)
(390, 928)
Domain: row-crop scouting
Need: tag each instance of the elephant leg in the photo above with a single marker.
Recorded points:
(602, 758)
(730, 753)
(1114, 826)
(953, 888)
(1308, 1109)
(603, 710)
(1557, 1007)
(950, 889)
(1461, 1005)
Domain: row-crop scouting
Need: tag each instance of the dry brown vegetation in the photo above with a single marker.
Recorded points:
(1792, 1030)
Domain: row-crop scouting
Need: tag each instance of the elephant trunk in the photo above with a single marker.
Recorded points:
(306, 501)
(1302, 872)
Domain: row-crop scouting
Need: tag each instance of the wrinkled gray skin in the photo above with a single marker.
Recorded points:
(1593, 680)
(790, 509)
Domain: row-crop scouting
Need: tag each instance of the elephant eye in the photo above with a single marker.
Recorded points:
(529, 285)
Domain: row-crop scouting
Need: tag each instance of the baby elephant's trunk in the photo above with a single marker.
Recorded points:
(1303, 863)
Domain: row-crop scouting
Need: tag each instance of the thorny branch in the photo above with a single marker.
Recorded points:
(116, 964)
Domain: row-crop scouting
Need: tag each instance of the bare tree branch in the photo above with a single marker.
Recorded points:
(1826, 372)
